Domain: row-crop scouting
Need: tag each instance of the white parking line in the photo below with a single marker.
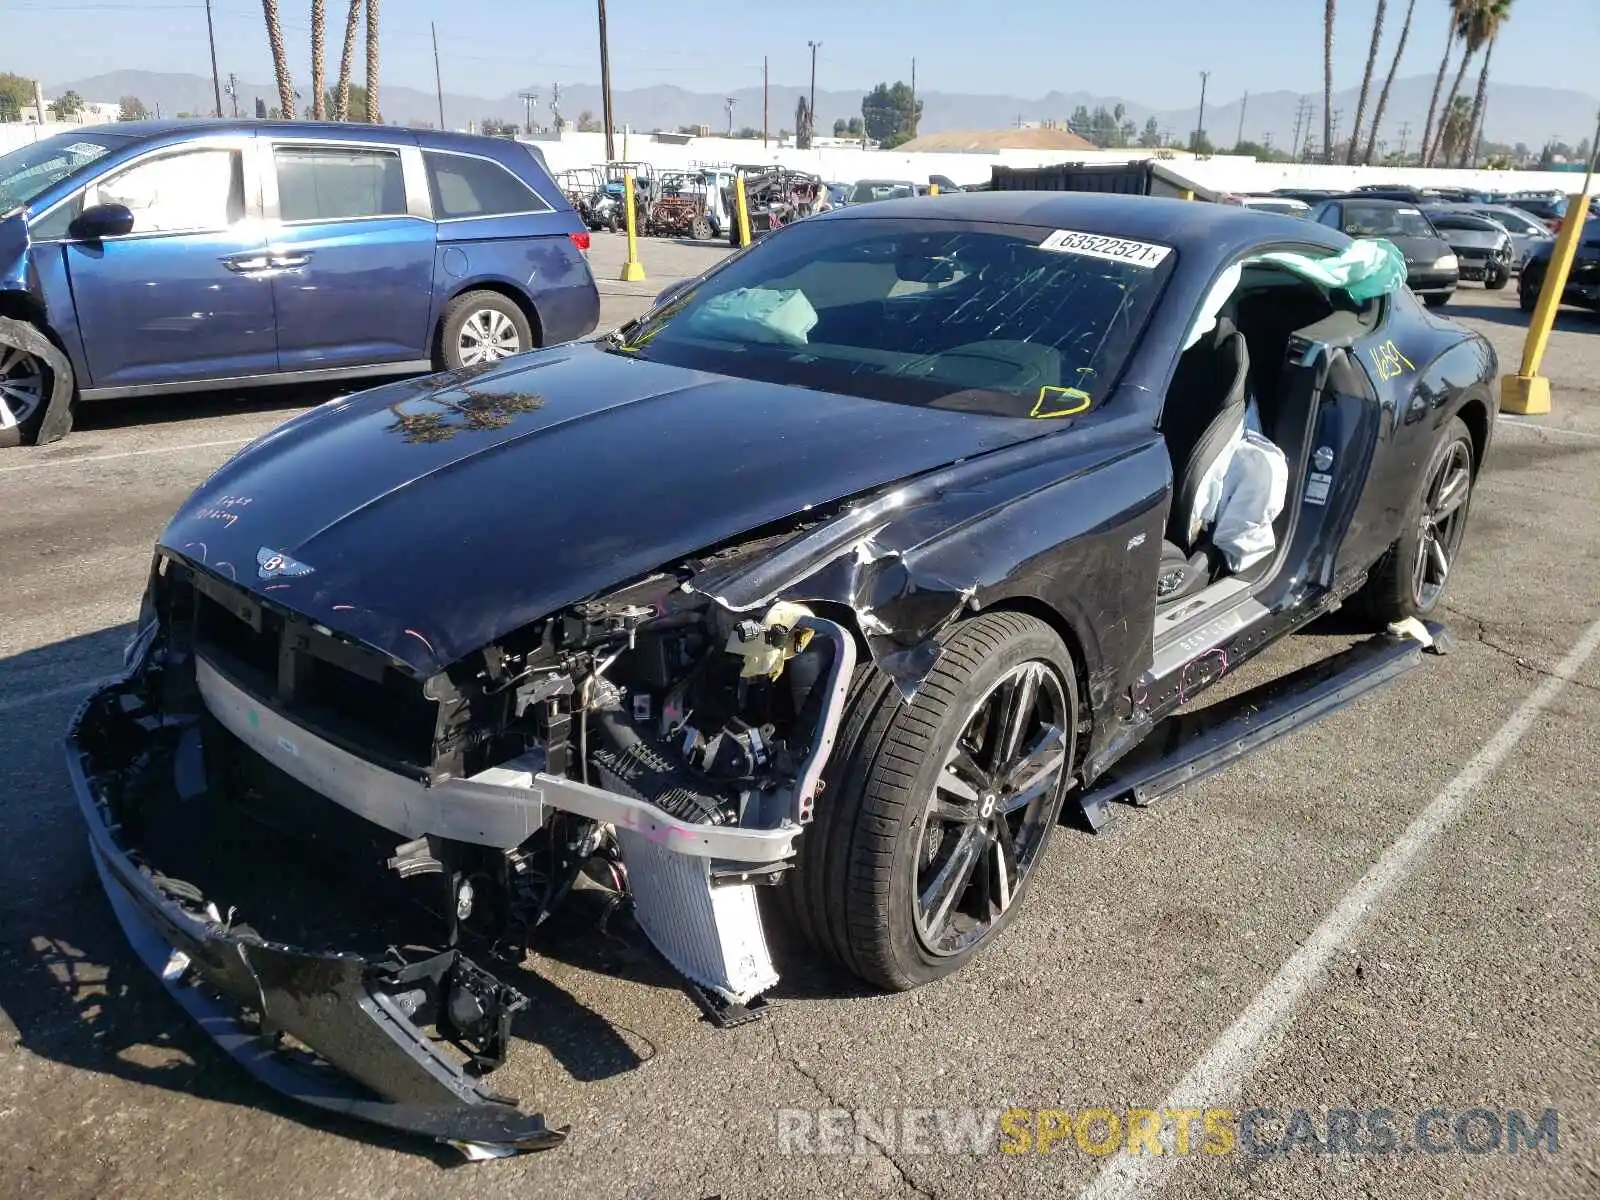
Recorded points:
(1217, 1077)
(94, 458)
(1577, 433)
(81, 688)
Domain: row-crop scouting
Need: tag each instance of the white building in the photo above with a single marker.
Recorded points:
(93, 112)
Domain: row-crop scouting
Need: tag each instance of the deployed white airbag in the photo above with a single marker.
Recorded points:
(757, 315)
(1242, 494)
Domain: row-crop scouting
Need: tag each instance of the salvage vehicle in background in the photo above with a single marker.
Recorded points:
(932, 550)
(1432, 270)
(1526, 232)
(170, 256)
(1483, 249)
(1583, 281)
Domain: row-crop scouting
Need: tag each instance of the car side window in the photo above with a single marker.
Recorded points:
(335, 183)
(195, 191)
(464, 186)
(1330, 216)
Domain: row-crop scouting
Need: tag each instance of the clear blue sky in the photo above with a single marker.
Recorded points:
(1145, 50)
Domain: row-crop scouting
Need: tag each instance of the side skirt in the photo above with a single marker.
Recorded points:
(1189, 746)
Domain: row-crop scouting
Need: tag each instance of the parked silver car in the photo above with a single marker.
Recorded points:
(1526, 231)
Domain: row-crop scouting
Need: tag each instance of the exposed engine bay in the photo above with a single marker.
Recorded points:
(648, 743)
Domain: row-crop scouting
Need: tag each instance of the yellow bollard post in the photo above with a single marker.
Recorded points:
(933, 189)
(633, 269)
(741, 206)
(1528, 392)
(1188, 193)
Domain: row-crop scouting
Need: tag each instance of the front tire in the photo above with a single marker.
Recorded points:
(1494, 281)
(480, 328)
(1410, 579)
(938, 812)
(1528, 292)
(26, 386)
(1437, 299)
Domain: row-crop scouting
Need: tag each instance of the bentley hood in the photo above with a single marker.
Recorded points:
(429, 517)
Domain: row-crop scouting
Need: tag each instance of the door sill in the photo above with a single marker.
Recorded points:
(1204, 621)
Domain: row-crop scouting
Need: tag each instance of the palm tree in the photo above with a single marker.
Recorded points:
(374, 113)
(341, 109)
(1472, 17)
(1366, 80)
(280, 61)
(1438, 80)
(1327, 80)
(319, 21)
(1495, 14)
(1453, 128)
(1388, 82)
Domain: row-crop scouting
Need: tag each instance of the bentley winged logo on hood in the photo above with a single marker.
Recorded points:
(273, 564)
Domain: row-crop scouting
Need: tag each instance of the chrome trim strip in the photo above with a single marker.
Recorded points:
(411, 366)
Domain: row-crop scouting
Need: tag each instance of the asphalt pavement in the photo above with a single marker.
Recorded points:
(1395, 909)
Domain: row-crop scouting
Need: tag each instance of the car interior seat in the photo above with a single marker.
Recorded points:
(1203, 415)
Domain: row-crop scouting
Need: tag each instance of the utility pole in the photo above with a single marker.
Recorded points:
(605, 85)
(233, 92)
(1333, 136)
(728, 104)
(529, 99)
(555, 107)
(913, 129)
(216, 79)
(1405, 132)
(766, 100)
(1200, 130)
(1243, 105)
(438, 82)
(815, 46)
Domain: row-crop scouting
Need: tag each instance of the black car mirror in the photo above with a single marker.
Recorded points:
(102, 221)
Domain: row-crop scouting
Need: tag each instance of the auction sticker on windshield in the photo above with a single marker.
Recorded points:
(1095, 245)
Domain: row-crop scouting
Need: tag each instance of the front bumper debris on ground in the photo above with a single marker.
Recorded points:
(362, 1019)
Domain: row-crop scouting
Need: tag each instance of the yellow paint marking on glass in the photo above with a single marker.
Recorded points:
(1060, 402)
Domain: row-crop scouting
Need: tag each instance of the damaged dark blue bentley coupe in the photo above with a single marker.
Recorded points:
(842, 573)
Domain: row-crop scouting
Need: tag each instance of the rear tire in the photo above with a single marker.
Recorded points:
(700, 230)
(1410, 579)
(480, 328)
(899, 813)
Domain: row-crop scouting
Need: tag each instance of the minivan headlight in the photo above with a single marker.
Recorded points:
(1445, 262)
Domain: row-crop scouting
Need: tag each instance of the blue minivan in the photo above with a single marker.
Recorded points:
(167, 256)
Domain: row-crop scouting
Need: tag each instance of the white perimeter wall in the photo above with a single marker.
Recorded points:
(848, 165)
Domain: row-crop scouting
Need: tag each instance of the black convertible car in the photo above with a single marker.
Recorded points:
(840, 578)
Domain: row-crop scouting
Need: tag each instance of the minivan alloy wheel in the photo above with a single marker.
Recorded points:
(21, 386)
(487, 336)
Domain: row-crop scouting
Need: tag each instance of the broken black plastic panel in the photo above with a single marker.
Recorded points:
(1188, 746)
(363, 1018)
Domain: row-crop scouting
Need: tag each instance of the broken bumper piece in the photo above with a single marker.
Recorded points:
(361, 1019)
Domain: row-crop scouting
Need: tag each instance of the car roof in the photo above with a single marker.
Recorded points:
(352, 130)
(1192, 227)
(1378, 201)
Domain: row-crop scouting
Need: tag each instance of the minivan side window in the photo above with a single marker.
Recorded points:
(333, 183)
(194, 191)
(465, 186)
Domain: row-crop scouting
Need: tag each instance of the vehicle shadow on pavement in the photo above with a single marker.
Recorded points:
(190, 406)
(1500, 314)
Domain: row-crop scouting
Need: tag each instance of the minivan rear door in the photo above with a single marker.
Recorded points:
(352, 248)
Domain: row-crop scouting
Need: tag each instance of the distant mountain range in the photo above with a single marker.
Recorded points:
(1515, 112)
